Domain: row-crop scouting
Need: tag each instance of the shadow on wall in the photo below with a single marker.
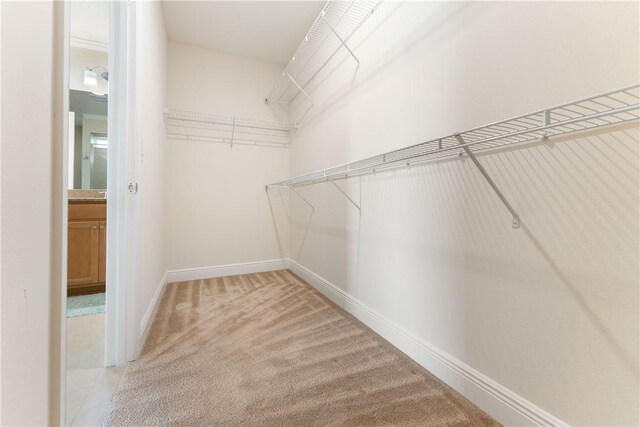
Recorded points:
(436, 29)
(341, 211)
(549, 310)
(597, 196)
(434, 244)
(280, 216)
(375, 64)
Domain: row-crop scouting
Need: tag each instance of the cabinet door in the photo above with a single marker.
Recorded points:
(82, 257)
(102, 252)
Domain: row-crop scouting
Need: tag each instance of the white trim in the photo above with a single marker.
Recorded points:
(495, 399)
(114, 270)
(498, 401)
(147, 319)
(89, 44)
(64, 19)
(133, 170)
(96, 117)
(226, 270)
(122, 312)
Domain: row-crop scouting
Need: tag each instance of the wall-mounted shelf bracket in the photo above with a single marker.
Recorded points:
(329, 34)
(335, 33)
(346, 195)
(597, 112)
(233, 131)
(306, 95)
(515, 221)
(303, 199)
(546, 121)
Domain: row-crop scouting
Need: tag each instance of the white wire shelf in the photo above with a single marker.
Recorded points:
(611, 108)
(196, 126)
(329, 33)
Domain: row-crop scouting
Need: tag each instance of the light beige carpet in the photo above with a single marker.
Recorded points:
(268, 349)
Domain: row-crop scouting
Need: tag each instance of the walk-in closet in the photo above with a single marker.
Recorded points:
(359, 212)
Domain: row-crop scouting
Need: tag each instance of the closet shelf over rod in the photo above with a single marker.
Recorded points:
(196, 126)
(329, 33)
(617, 106)
(611, 108)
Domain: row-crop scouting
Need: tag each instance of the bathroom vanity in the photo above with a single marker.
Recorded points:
(87, 244)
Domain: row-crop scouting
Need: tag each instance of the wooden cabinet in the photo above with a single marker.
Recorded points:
(84, 251)
(102, 252)
(87, 247)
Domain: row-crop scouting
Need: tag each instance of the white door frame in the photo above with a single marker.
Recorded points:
(61, 18)
(122, 325)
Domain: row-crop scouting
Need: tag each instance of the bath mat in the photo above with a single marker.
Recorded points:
(83, 305)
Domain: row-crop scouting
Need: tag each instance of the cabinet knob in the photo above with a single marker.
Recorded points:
(94, 227)
(102, 227)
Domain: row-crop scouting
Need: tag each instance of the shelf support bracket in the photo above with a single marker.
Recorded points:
(515, 221)
(233, 131)
(340, 38)
(299, 87)
(346, 195)
(303, 199)
(546, 121)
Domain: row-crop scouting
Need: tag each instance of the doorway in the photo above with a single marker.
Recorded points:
(89, 381)
(100, 319)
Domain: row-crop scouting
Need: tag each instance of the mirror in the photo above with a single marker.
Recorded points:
(88, 142)
(88, 97)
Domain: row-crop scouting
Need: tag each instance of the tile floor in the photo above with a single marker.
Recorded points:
(90, 386)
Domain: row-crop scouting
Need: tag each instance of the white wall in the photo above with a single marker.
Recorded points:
(26, 216)
(218, 210)
(152, 193)
(550, 311)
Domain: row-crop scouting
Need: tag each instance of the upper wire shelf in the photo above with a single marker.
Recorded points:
(196, 126)
(332, 29)
(615, 107)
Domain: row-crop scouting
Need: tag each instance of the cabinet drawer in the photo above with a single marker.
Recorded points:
(82, 211)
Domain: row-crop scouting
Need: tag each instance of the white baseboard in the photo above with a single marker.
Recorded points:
(147, 319)
(502, 404)
(226, 270)
(496, 400)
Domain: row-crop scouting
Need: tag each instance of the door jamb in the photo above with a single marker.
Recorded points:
(60, 202)
(122, 325)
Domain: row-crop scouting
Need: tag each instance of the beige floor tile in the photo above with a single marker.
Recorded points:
(85, 342)
(82, 378)
(112, 376)
(74, 402)
(90, 386)
(95, 405)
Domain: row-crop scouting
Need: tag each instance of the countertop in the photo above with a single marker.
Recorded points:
(84, 196)
(87, 200)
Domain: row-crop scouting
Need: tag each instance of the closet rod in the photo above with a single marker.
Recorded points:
(610, 108)
(204, 127)
(607, 109)
(184, 118)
